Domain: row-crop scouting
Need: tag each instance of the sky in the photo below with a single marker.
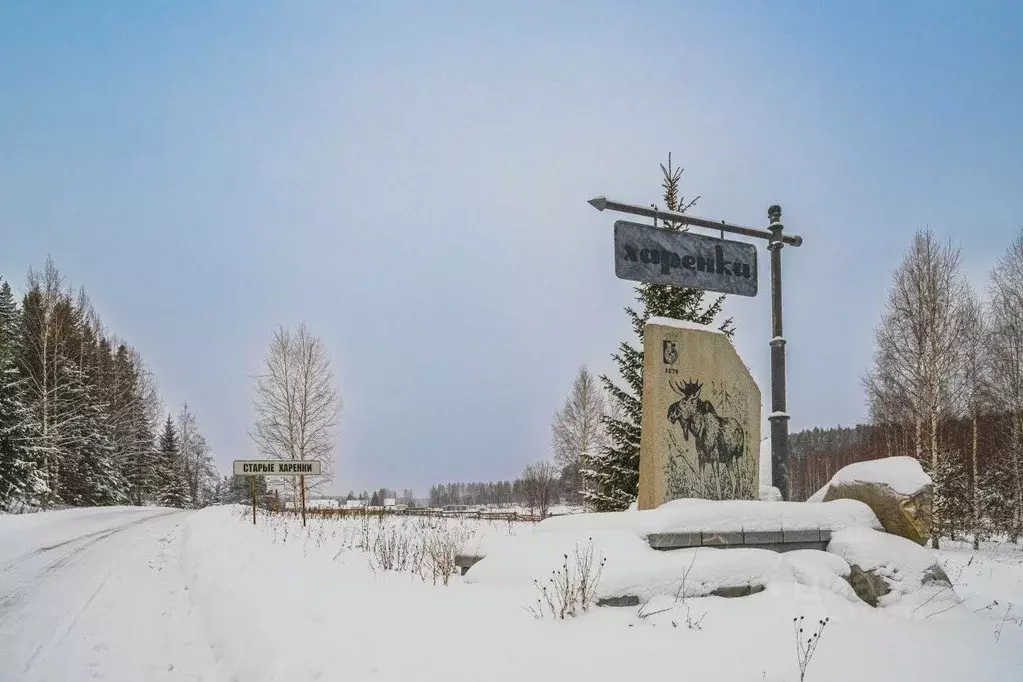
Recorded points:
(411, 180)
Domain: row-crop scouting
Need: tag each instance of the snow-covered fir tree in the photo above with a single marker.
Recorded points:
(998, 496)
(614, 472)
(20, 481)
(78, 418)
(172, 490)
(952, 504)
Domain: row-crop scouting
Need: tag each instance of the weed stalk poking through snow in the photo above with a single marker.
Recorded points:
(680, 598)
(806, 645)
(571, 589)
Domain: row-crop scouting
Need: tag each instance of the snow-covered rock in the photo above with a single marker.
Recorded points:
(885, 567)
(814, 568)
(895, 488)
(768, 493)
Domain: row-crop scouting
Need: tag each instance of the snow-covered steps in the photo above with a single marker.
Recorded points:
(690, 523)
(780, 540)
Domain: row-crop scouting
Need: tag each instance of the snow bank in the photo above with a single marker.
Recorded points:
(691, 515)
(334, 618)
(768, 493)
(814, 568)
(695, 516)
(904, 475)
(632, 568)
(903, 564)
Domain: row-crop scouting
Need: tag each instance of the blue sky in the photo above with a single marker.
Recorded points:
(411, 179)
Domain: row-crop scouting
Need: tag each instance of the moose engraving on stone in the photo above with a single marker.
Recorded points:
(718, 439)
(701, 418)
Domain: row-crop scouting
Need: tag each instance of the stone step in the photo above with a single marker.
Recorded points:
(783, 540)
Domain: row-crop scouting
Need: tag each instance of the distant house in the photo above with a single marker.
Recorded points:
(355, 504)
(390, 502)
(326, 503)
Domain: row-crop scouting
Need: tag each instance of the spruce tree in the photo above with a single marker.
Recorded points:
(951, 496)
(997, 496)
(614, 472)
(172, 490)
(20, 481)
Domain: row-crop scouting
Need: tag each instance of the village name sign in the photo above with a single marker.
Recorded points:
(684, 259)
(277, 467)
(677, 257)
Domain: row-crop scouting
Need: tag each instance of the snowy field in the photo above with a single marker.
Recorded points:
(156, 594)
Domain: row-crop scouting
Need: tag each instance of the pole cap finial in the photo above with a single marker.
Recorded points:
(774, 213)
(599, 203)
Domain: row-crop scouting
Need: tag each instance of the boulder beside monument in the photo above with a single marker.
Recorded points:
(895, 488)
(701, 417)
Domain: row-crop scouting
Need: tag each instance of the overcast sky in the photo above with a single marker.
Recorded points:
(412, 180)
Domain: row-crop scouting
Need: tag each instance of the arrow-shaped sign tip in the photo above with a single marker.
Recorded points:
(599, 203)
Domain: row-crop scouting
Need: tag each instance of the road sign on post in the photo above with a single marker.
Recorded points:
(276, 467)
(684, 259)
(652, 269)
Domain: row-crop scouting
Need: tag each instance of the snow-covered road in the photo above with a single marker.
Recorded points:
(91, 594)
(133, 595)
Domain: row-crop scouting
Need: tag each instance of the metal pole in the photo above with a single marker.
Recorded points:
(602, 203)
(301, 482)
(253, 479)
(779, 418)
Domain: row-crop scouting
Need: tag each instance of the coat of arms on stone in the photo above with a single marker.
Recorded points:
(670, 352)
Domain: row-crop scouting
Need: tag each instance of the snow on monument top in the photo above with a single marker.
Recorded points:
(682, 324)
(904, 475)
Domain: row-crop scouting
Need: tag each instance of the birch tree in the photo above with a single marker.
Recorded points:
(976, 395)
(916, 370)
(1006, 346)
(196, 458)
(47, 323)
(577, 430)
(540, 487)
(297, 406)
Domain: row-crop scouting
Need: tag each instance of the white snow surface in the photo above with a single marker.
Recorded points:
(697, 515)
(683, 324)
(901, 562)
(126, 594)
(632, 567)
(904, 475)
(768, 493)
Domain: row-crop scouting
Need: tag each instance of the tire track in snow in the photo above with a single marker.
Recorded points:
(43, 603)
(11, 599)
(64, 627)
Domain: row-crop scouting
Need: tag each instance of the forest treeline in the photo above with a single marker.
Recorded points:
(81, 419)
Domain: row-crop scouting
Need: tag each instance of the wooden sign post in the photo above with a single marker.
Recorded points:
(275, 467)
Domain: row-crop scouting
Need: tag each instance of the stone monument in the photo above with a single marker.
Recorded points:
(701, 417)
